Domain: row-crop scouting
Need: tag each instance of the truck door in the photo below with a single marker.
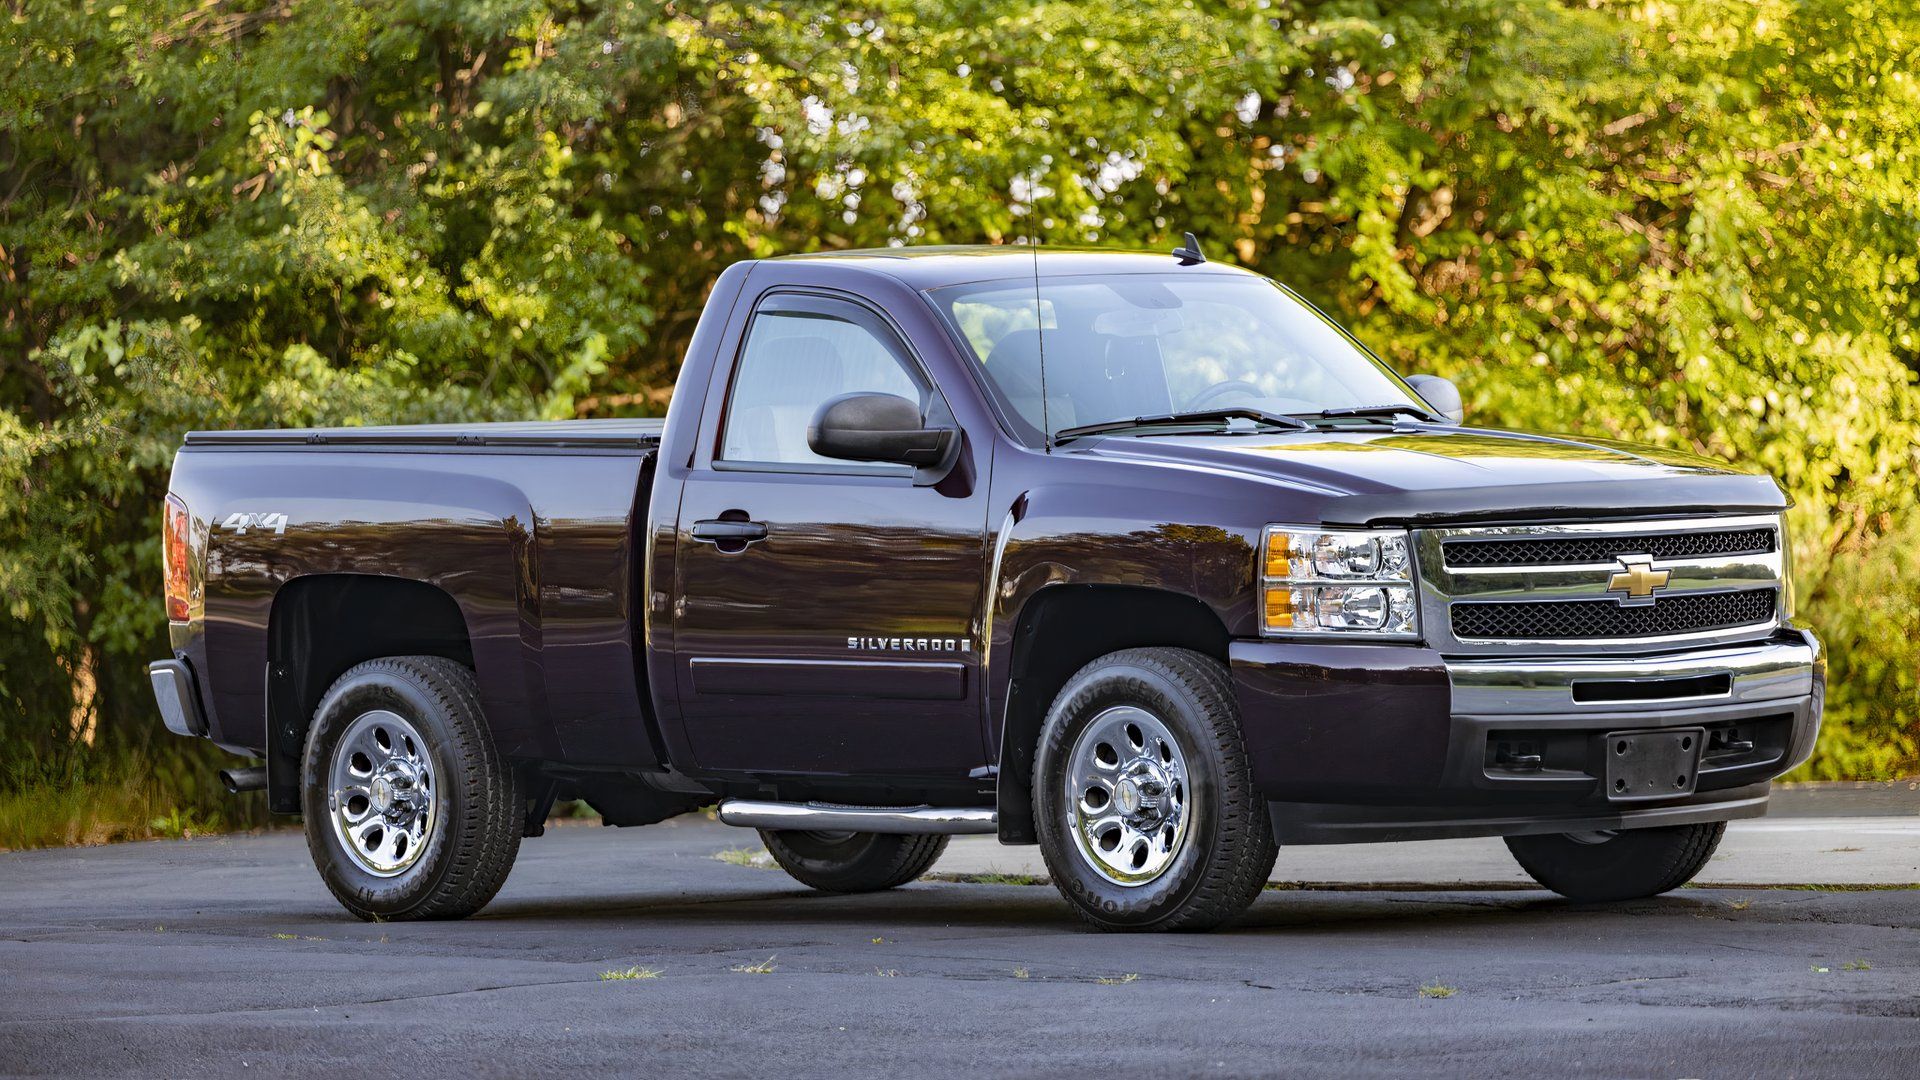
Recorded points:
(827, 618)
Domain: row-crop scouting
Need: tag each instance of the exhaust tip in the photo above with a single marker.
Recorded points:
(239, 780)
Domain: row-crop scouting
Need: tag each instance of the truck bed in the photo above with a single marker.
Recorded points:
(507, 544)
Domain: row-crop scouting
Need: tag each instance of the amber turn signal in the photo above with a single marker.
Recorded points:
(1279, 614)
(1279, 547)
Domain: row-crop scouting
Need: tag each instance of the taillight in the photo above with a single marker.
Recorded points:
(176, 557)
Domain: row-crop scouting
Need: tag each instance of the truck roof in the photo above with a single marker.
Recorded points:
(938, 266)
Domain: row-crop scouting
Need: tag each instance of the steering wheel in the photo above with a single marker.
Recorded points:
(1222, 389)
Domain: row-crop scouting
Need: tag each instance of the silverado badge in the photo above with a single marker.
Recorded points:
(908, 644)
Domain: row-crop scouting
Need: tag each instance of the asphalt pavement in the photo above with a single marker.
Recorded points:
(226, 957)
(1814, 834)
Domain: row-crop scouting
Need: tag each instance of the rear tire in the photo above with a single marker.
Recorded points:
(411, 811)
(851, 862)
(1143, 798)
(1631, 864)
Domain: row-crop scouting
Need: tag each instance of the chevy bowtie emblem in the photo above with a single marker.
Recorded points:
(1637, 579)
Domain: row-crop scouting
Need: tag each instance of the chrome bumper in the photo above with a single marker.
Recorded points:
(1783, 668)
(1518, 724)
(1364, 743)
(174, 693)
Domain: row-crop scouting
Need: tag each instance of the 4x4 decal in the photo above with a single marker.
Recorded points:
(239, 523)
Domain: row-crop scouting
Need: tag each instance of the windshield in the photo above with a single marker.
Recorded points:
(1126, 345)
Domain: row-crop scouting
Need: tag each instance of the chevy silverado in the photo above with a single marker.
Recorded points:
(1137, 557)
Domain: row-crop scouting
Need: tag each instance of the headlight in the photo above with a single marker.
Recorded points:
(1336, 582)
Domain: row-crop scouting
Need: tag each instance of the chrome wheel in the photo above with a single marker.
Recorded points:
(381, 793)
(1127, 796)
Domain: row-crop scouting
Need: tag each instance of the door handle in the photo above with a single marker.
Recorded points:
(729, 533)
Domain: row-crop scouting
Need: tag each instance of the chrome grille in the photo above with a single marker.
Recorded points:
(1547, 551)
(1567, 619)
(1547, 589)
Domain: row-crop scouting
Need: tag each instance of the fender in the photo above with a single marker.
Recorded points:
(1086, 533)
(1117, 526)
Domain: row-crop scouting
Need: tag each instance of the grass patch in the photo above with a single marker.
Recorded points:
(887, 973)
(990, 878)
(1436, 989)
(752, 857)
(105, 797)
(1856, 965)
(764, 967)
(1020, 973)
(1838, 886)
(1401, 886)
(1120, 980)
(1517, 886)
(630, 974)
(286, 937)
(1010, 879)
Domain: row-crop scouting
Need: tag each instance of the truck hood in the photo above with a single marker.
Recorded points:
(1415, 473)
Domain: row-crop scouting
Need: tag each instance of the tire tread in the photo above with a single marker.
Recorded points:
(481, 854)
(892, 861)
(1671, 856)
(1226, 887)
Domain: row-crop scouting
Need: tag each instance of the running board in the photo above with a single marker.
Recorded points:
(832, 817)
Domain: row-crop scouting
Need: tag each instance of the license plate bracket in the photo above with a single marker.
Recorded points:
(1644, 765)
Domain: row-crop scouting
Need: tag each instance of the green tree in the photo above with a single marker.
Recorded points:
(1685, 224)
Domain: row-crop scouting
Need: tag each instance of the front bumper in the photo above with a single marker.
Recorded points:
(1356, 743)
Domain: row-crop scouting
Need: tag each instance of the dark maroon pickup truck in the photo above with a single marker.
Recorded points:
(1136, 557)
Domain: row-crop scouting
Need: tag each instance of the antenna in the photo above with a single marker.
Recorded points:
(1040, 329)
(1189, 253)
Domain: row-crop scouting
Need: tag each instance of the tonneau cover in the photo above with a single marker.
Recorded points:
(598, 434)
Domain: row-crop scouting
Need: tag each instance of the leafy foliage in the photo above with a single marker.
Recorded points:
(1686, 224)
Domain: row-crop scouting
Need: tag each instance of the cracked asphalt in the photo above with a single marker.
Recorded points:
(225, 957)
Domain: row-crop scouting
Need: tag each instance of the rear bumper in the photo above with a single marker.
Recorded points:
(1355, 743)
(177, 696)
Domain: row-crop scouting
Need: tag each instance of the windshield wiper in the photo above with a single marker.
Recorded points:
(1379, 410)
(1203, 416)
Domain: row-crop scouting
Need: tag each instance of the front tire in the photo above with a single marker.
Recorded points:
(852, 862)
(1144, 801)
(1633, 864)
(411, 811)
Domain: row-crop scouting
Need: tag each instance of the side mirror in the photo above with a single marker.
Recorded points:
(1441, 394)
(879, 427)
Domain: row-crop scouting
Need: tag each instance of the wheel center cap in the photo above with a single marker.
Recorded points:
(392, 789)
(1140, 794)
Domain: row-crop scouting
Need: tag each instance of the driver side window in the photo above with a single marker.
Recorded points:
(795, 361)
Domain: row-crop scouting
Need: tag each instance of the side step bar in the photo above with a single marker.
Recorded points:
(831, 817)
